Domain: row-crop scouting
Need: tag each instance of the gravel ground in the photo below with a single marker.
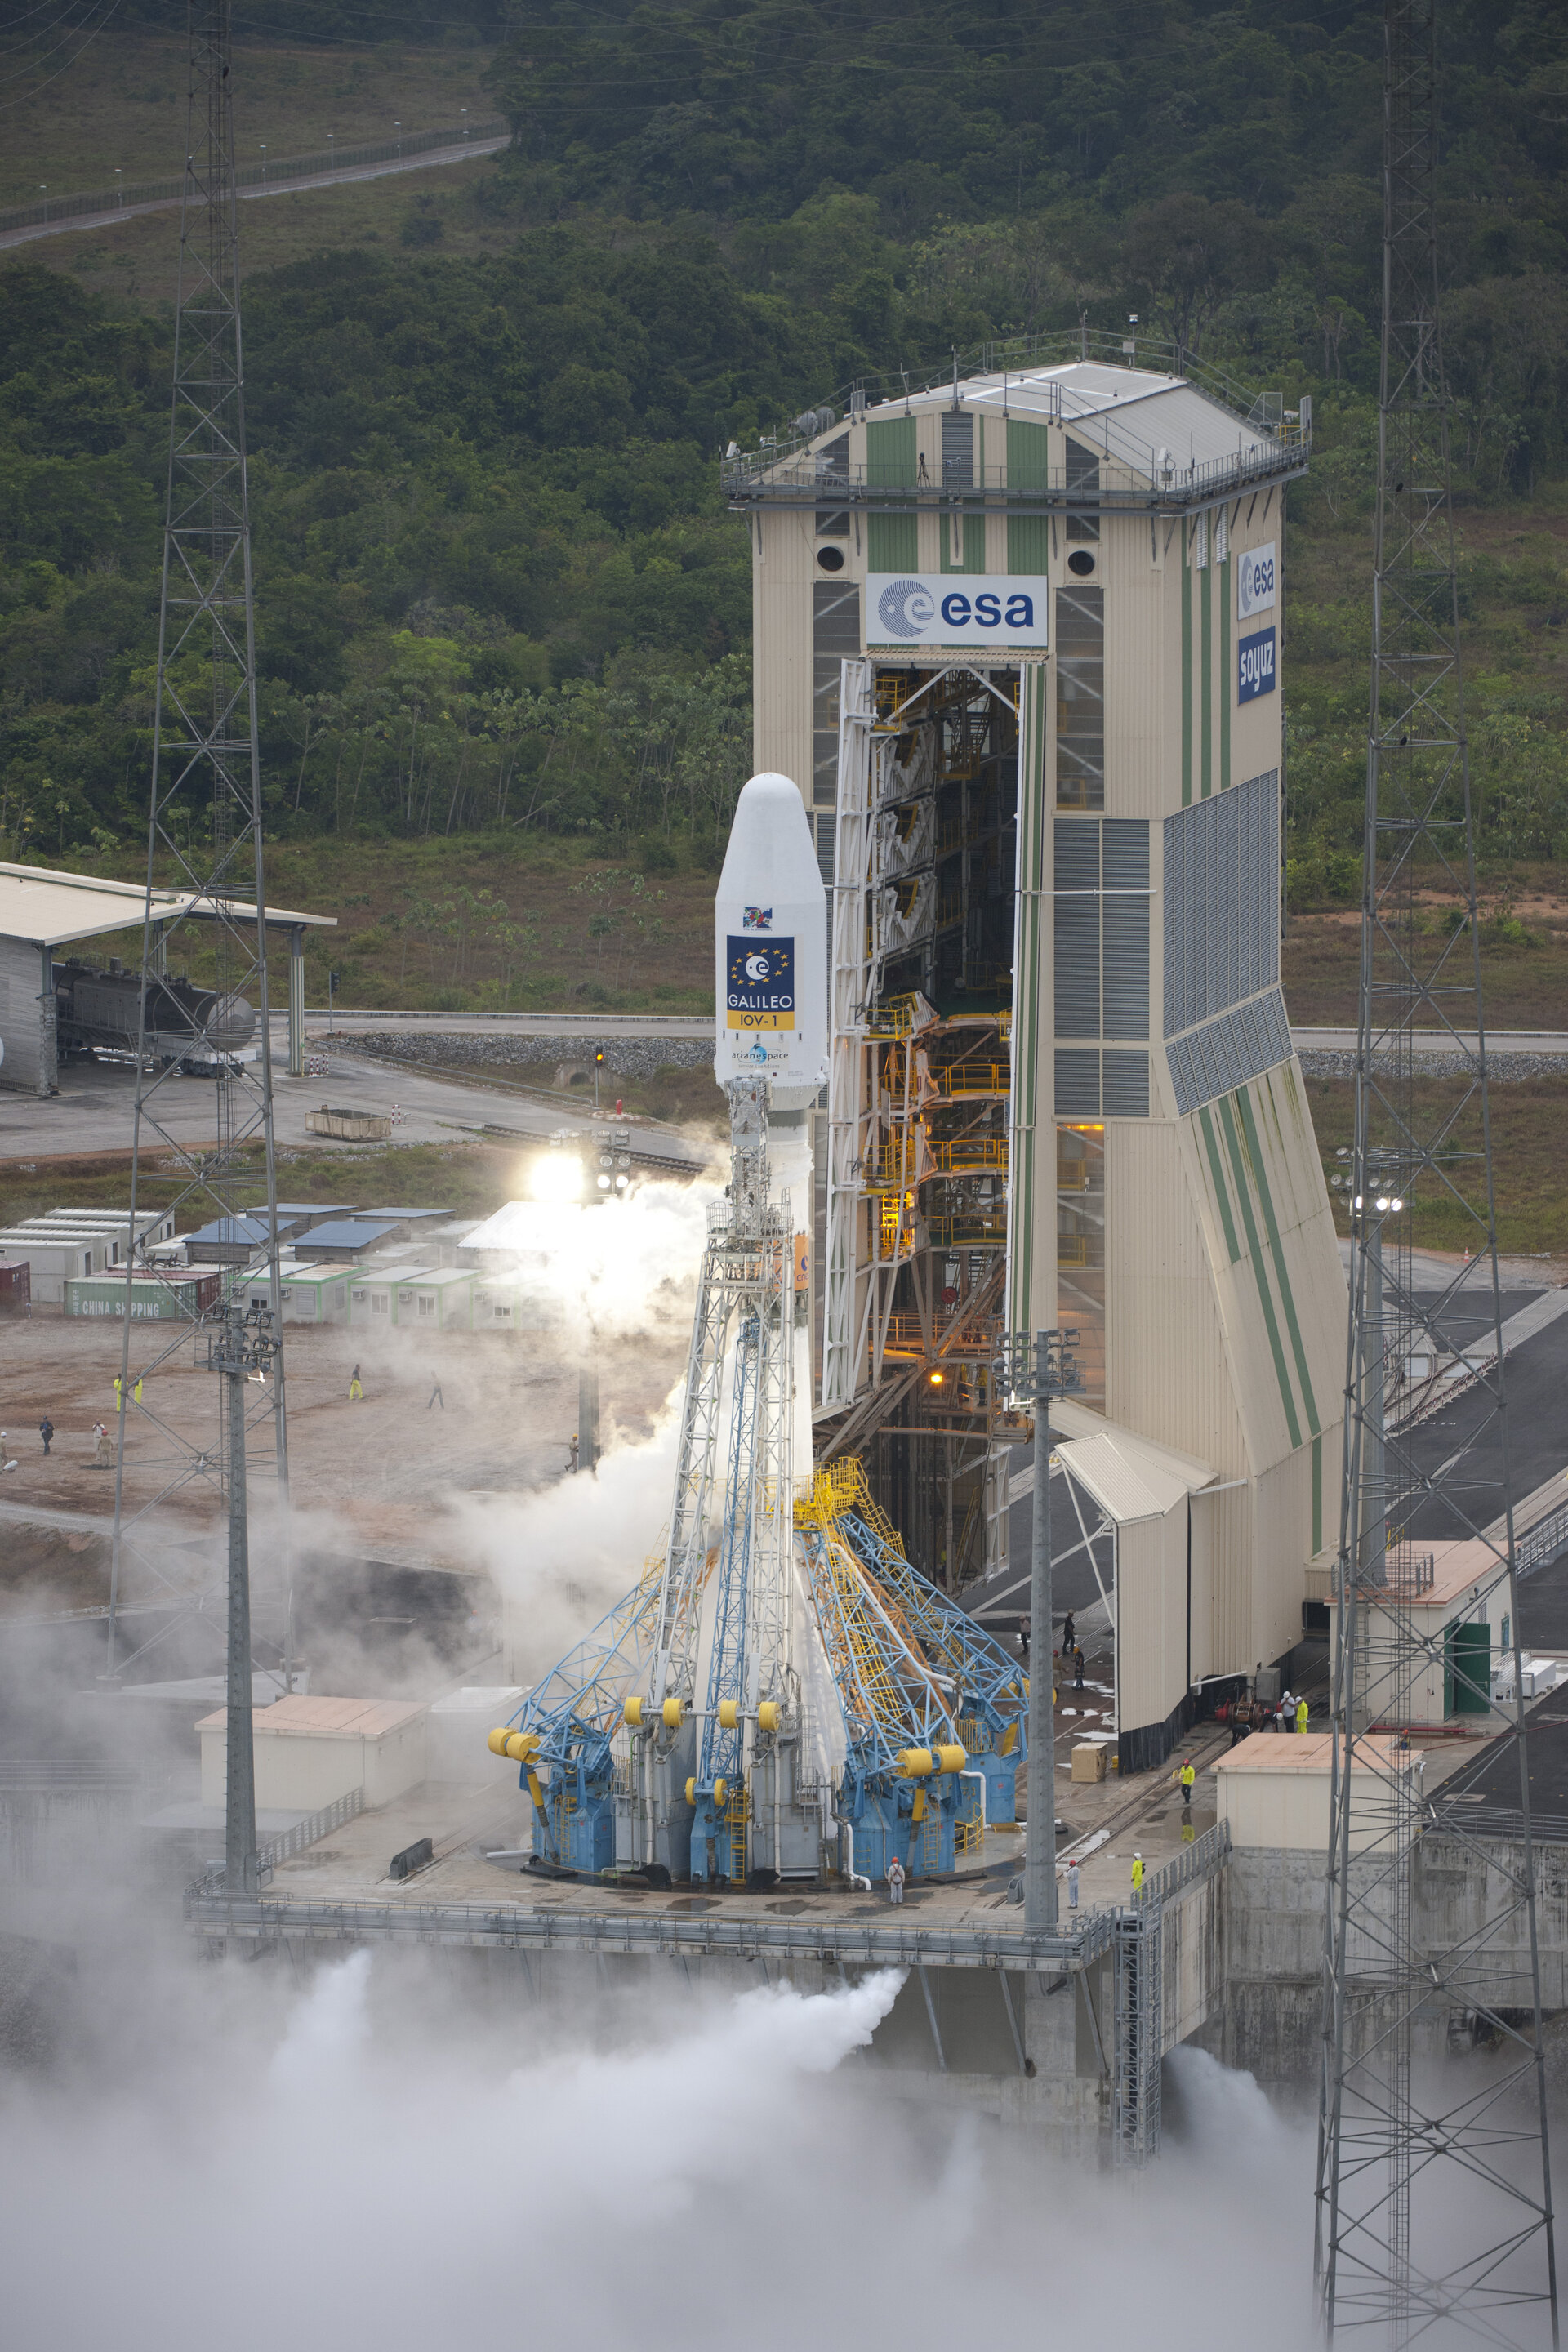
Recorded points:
(627, 1057)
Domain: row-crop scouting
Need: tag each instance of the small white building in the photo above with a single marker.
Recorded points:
(311, 1751)
(440, 1298)
(372, 1292)
(309, 1294)
(1274, 1790)
(57, 1255)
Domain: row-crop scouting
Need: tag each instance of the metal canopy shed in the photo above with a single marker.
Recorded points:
(41, 909)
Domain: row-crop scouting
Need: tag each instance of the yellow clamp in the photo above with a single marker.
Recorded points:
(729, 1713)
(632, 1713)
(674, 1712)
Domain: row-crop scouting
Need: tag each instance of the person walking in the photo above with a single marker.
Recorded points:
(136, 1392)
(119, 1394)
(436, 1396)
(1077, 1670)
(1240, 1721)
(1024, 1638)
(1284, 1713)
(47, 1432)
(104, 1457)
(1137, 1873)
(575, 1449)
(1070, 1637)
(895, 1881)
(357, 1393)
(1187, 1775)
(1303, 1711)
(1072, 1886)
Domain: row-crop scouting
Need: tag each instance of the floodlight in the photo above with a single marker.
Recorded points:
(555, 1176)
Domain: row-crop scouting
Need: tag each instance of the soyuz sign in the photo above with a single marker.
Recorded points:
(1255, 666)
(955, 610)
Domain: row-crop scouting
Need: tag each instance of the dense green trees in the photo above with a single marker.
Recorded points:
(497, 586)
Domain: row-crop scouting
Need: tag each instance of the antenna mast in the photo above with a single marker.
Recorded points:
(1394, 2254)
(204, 841)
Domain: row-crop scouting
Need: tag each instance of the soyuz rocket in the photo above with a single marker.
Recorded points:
(770, 950)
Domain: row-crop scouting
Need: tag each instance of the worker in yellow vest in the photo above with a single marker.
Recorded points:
(1137, 1873)
(1187, 1775)
(1301, 1713)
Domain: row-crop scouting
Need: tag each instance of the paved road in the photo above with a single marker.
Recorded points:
(586, 1025)
(112, 218)
(92, 1111)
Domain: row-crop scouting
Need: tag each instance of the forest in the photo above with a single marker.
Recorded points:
(498, 593)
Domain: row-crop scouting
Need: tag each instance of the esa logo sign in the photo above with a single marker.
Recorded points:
(953, 610)
(1255, 581)
(759, 983)
(1255, 666)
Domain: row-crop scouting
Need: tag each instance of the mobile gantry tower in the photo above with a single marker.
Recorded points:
(1019, 629)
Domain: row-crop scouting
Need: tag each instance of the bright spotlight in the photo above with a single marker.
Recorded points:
(555, 1176)
(621, 1183)
(935, 1378)
(1396, 1204)
(603, 1183)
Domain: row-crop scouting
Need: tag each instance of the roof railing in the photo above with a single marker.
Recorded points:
(784, 467)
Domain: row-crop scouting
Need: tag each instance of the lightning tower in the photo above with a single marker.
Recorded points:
(205, 837)
(1397, 2257)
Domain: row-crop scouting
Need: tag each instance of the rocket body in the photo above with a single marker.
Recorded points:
(771, 949)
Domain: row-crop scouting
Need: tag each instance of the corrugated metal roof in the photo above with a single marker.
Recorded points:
(51, 908)
(346, 1233)
(1138, 405)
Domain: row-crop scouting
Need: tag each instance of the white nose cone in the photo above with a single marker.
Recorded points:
(771, 948)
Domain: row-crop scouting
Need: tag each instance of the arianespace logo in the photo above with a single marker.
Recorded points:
(759, 984)
(906, 608)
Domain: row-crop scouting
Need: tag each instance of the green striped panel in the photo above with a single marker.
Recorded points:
(1254, 1252)
(891, 454)
(892, 542)
(1028, 469)
(1265, 1195)
(1216, 1169)
(1317, 1495)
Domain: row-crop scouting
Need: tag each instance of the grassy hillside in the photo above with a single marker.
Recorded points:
(123, 103)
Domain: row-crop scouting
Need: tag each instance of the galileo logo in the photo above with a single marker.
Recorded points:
(956, 610)
(759, 983)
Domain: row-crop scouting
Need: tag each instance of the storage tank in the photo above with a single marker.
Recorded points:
(184, 1024)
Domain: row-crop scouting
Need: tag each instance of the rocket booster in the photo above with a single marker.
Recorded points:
(771, 948)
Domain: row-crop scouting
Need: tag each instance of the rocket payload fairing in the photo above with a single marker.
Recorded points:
(771, 949)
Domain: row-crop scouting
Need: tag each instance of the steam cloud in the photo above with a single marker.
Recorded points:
(400, 2161)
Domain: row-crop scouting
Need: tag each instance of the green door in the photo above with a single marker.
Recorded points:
(1467, 1669)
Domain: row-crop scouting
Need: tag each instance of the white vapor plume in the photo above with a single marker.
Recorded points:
(425, 2155)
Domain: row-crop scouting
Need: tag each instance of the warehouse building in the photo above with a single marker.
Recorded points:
(42, 910)
(1017, 639)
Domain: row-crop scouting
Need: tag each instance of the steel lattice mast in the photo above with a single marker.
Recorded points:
(205, 839)
(1395, 2255)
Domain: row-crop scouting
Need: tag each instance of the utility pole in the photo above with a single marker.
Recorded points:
(204, 839)
(242, 1350)
(1033, 1372)
(1433, 2198)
